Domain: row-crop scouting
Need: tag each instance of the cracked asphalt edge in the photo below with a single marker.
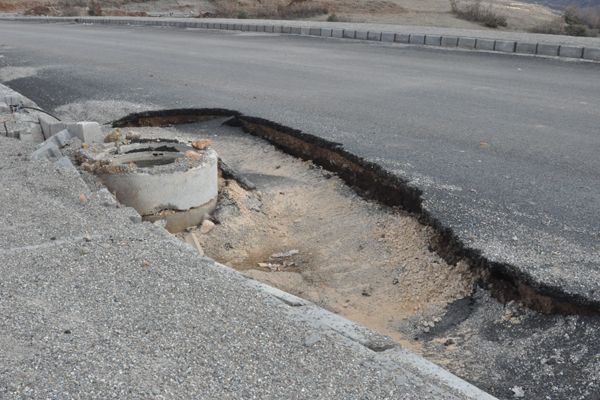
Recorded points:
(386, 354)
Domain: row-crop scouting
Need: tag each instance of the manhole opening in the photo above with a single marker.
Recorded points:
(148, 159)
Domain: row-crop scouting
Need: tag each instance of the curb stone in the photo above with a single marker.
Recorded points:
(393, 355)
(517, 47)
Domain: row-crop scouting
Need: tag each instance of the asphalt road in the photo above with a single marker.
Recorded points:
(504, 147)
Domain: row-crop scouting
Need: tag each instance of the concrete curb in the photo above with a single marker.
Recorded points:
(388, 353)
(418, 39)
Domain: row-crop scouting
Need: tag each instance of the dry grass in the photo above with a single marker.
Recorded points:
(575, 22)
(554, 27)
(582, 21)
(477, 12)
(115, 12)
(270, 9)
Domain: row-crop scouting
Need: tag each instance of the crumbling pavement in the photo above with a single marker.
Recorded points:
(98, 304)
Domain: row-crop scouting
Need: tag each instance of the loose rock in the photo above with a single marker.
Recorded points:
(207, 226)
(113, 136)
(285, 254)
(193, 155)
(201, 144)
(131, 135)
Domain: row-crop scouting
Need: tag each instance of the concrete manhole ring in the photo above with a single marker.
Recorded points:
(161, 180)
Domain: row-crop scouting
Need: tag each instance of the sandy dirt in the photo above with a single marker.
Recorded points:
(305, 231)
(367, 262)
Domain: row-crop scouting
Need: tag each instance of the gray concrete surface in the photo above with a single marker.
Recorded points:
(97, 306)
(431, 36)
(503, 147)
(160, 180)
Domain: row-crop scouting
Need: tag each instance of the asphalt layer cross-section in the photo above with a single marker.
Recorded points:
(504, 147)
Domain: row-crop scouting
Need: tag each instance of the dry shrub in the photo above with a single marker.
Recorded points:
(94, 9)
(582, 21)
(226, 9)
(475, 11)
(553, 27)
(574, 22)
(115, 12)
(301, 10)
(70, 11)
(589, 16)
(273, 9)
(70, 8)
(39, 10)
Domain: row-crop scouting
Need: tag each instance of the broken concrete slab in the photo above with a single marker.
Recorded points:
(60, 139)
(33, 134)
(65, 164)
(50, 125)
(87, 131)
(48, 150)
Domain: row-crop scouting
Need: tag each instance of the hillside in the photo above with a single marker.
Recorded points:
(562, 4)
(520, 15)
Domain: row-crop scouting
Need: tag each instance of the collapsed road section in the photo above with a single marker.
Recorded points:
(374, 182)
(335, 229)
(340, 232)
(98, 304)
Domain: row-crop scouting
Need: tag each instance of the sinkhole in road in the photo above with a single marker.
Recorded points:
(371, 182)
(292, 224)
(302, 214)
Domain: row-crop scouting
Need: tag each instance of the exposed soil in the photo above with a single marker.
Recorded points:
(304, 230)
(355, 257)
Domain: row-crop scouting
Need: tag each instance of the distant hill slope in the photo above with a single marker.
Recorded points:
(562, 4)
(521, 15)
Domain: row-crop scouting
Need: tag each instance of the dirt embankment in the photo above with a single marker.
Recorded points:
(520, 15)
